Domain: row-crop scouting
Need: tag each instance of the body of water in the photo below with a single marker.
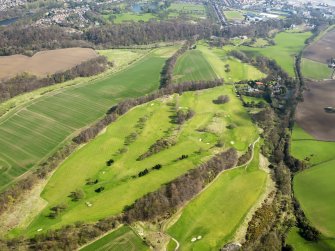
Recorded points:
(8, 21)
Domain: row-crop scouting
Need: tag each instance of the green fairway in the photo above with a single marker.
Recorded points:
(197, 138)
(216, 214)
(218, 59)
(33, 131)
(193, 66)
(300, 244)
(287, 46)
(315, 70)
(122, 239)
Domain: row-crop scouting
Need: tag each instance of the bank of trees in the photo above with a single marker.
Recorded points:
(25, 82)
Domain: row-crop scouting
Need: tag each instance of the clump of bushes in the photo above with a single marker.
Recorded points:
(157, 167)
(222, 99)
(184, 156)
(184, 115)
(109, 162)
(144, 172)
(76, 195)
(57, 210)
(99, 190)
(158, 146)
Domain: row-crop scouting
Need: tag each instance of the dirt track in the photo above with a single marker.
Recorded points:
(323, 50)
(44, 62)
(310, 114)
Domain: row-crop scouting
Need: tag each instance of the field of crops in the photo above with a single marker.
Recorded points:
(122, 239)
(217, 213)
(30, 133)
(193, 66)
(197, 138)
(287, 46)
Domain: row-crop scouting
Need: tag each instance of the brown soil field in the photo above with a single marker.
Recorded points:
(311, 115)
(323, 49)
(44, 62)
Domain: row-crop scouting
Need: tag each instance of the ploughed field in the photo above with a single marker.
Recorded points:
(323, 49)
(131, 137)
(44, 62)
(32, 132)
(311, 114)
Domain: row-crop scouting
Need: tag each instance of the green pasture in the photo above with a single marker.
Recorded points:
(287, 46)
(197, 138)
(132, 17)
(218, 59)
(315, 70)
(303, 146)
(192, 66)
(30, 133)
(314, 188)
(187, 9)
(300, 244)
(122, 239)
(217, 213)
(234, 15)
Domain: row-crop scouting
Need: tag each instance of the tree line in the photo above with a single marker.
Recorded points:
(25, 82)
(14, 193)
(126, 105)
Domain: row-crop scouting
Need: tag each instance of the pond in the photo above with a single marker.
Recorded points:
(8, 21)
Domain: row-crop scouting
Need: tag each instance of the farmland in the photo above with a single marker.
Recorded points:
(41, 126)
(229, 198)
(218, 58)
(315, 70)
(287, 45)
(311, 115)
(58, 60)
(193, 66)
(197, 138)
(323, 49)
(122, 239)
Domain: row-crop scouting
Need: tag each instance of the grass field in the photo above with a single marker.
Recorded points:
(33, 131)
(204, 63)
(234, 15)
(300, 244)
(218, 58)
(196, 138)
(122, 239)
(187, 9)
(216, 214)
(315, 70)
(130, 16)
(193, 66)
(287, 46)
(314, 187)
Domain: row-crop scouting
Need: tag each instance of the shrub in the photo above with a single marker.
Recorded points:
(222, 99)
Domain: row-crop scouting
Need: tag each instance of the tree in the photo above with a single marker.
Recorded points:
(78, 194)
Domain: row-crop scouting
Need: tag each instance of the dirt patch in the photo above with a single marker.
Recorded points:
(323, 50)
(311, 115)
(44, 62)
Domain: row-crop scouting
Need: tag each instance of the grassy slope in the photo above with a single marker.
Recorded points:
(315, 70)
(193, 66)
(314, 187)
(217, 213)
(300, 244)
(90, 160)
(287, 46)
(121, 239)
(218, 58)
(32, 132)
